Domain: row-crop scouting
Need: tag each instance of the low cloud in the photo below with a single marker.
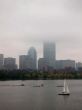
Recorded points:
(31, 22)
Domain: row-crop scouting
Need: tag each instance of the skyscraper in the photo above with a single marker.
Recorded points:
(49, 53)
(22, 62)
(29, 61)
(33, 54)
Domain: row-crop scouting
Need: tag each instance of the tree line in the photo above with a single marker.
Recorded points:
(38, 75)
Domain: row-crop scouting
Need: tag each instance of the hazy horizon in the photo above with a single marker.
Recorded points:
(26, 23)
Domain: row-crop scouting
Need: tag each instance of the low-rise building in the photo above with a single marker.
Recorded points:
(10, 63)
(62, 64)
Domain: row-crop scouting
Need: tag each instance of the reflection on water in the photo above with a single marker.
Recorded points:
(13, 96)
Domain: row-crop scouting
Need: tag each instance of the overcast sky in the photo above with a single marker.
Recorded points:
(25, 23)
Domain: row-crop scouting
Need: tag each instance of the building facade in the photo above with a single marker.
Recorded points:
(22, 62)
(78, 65)
(49, 53)
(33, 55)
(28, 61)
(42, 64)
(62, 64)
(10, 63)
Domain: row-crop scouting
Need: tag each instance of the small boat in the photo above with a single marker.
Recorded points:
(65, 89)
(22, 84)
(42, 85)
(39, 85)
(36, 86)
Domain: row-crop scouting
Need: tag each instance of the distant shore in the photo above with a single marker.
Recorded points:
(39, 75)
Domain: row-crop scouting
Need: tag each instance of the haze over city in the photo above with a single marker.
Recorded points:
(26, 23)
(40, 54)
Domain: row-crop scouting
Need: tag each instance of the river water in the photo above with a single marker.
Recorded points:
(29, 97)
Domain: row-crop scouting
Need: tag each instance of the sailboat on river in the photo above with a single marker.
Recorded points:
(65, 89)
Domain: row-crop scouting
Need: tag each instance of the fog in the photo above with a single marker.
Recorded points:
(25, 23)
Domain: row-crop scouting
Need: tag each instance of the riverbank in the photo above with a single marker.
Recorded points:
(38, 75)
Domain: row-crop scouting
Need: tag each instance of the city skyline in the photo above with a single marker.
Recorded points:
(25, 23)
(31, 61)
(42, 54)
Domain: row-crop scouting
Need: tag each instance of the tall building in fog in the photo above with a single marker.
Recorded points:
(22, 61)
(25, 62)
(1, 61)
(10, 63)
(33, 55)
(42, 64)
(28, 61)
(49, 53)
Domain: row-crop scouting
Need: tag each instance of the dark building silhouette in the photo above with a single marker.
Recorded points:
(1, 61)
(78, 65)
(62, 64)
(10, 63)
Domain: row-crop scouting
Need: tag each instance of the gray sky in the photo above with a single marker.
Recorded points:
(25, 23)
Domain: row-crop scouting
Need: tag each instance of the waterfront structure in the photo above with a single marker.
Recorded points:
(49, 53)
(62, 64)
(1, 61)
(33, 55)
(10, 63)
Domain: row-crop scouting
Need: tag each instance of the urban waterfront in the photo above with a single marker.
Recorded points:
(13, 96)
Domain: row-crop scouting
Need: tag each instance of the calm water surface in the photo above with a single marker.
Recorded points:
(13, 97)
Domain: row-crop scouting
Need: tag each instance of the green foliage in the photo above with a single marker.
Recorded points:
(36, 75)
